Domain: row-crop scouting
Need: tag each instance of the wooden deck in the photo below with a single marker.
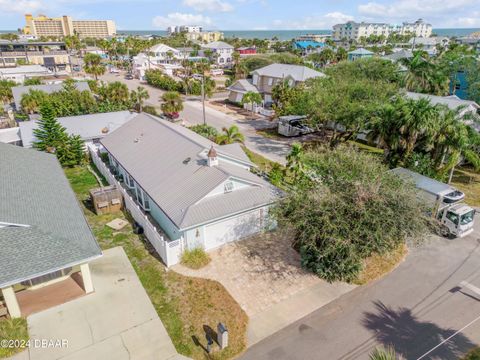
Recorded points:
(32, 301)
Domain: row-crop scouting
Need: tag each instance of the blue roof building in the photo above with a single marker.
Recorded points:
(308, 44)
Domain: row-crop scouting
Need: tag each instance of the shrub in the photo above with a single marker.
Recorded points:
(206, 131)
(195, 259)
(347, 206)
(473, 354)
(157, 79)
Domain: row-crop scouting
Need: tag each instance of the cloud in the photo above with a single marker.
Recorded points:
(321, 22)
(180, 19)
(21, 6)
(441, 13)
(209, 5)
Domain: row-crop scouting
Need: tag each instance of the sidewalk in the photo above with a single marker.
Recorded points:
(117, 321)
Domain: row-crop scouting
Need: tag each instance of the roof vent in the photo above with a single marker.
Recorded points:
(105, 130)
(187, 160)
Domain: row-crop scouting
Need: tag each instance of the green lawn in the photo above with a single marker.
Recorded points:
(468, 181)
(263, 163)
(184, 304)
(13, 329)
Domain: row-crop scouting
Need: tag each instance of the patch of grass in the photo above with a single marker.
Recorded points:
(367, 148)
(378, 265)
(184, 304)
(263, 163)
(473, 354)
(195, 259)
(270, 133)
(468, 181)
(13, 329)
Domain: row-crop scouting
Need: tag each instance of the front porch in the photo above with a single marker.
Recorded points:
(55, 291)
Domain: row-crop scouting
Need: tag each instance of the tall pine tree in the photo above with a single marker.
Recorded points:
(53, 138)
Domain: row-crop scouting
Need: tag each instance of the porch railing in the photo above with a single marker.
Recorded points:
(169, 251)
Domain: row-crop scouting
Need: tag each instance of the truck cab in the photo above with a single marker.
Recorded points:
(458, 219)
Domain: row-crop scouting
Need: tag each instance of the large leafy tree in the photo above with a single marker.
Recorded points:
(347, 207)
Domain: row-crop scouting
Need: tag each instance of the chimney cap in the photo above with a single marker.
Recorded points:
(212, 153)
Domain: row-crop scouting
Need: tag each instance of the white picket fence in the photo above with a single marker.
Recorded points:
(169, 251)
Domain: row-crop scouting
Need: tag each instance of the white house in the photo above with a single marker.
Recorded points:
(222, 51)
(196, 191)
(164, 54)
(20, 73)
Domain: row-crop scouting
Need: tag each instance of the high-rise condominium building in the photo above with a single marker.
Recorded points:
(65, 25)
(184, 29)
(354, 31)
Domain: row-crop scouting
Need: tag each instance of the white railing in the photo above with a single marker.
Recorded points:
(169, 251)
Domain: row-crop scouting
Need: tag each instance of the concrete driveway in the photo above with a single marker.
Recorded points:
(117, 321)
(264, 276)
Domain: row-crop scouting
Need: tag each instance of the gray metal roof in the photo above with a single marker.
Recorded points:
(243, 86)
(35, 192)
(154, 152)
(297, 72)
(453, 102)
(361, 51)
(398, 55)
(18, 91)
(217, 45)
(89, 126)
(422, 182)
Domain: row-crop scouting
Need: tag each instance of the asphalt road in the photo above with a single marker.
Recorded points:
(434, 293)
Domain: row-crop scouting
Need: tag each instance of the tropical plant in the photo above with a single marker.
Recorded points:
(424, 76)
(380, 353)
(172, 103)
(138, 97)
(295, 161)
(252, 98)
(32, 81)
(32, 101)
(230, 135)
(206, 131)
(93, 65)
(6, 90)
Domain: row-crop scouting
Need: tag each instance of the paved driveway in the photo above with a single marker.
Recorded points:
(263, 274)
(117, 321)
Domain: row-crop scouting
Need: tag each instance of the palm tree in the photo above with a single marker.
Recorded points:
(252, 98)
(230, 136)
(383, 130)
(139, 96)
(172, 103)
(32, 101)
(381, 353)
(295, 160)
(93, 65)
(424, 76)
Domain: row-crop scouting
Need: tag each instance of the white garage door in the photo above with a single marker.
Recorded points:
(234, 228)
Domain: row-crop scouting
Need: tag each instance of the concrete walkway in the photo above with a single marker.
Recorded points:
(117, 321)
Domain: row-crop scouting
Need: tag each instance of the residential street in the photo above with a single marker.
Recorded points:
(430, 296)
(192, 114)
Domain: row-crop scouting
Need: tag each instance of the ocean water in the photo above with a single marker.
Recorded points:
(280, 34)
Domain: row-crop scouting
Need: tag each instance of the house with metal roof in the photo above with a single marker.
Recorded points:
(222, 51)
(44, 236)
(90, 127)
(360, 53)
(196, 191)
(19, 91)
(240, 88)
(264, 79)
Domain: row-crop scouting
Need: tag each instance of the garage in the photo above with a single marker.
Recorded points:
(234, 228)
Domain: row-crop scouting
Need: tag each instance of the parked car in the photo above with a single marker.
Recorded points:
(114, 71)
(129, 77)
(76, 68)
(173, 116)
(197, 76)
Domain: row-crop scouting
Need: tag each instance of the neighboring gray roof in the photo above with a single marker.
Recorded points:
(18, 91)
(361, 51)
(154, 151)
(10, 135)
(427, 41)
(297, 72)
(453, 102)
(217, 45)
(243, 86)
(35, 192)
(398, 55)
(87, 126)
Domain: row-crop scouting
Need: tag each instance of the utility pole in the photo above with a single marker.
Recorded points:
(203, 97)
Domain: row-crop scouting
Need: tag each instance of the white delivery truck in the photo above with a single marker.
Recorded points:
(455, 217)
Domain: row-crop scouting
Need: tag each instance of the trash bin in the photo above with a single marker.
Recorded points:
(137, 228)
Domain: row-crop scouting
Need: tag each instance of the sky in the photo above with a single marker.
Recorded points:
(246, 14)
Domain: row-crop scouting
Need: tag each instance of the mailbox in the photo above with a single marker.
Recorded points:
(222, 336)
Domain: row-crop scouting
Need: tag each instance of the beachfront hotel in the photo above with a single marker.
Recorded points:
(64, 26)
(352, 30)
